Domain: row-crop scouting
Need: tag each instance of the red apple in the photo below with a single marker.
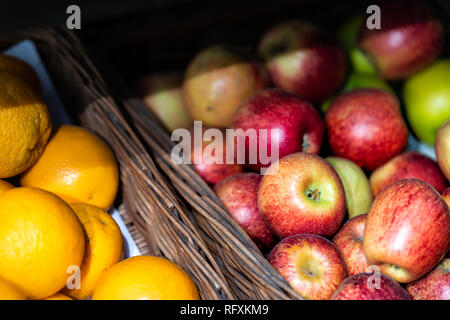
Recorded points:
(302, 58)
(300, 126)
(407, 230)
(349, 241)
(302, 193)
(366, 126)
(217, 80)
(410, 38)
(442, 148)
(239, 194)
(446, 195)
(410, 164)
(363, 286)
(208, 169)
(312, 265)
(434, 286)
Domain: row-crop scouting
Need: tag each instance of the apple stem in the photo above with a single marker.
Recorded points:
(314, 194)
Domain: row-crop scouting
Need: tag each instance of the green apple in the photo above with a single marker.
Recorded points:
(427, 100)
(359, 81)
(356, 186)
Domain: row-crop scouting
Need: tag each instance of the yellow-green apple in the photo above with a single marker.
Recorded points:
(239, 194)
(446, 195)
(407, 230)
(442, 148)
(312, 265)
(299, 124)
(364, 286)
(434, 286)
(356, 185)
(161, 93)
(366, 126)
(410, 164)
(302, 193)
(410, 38)
(349, 241)
(303, 59)
(208, 168)
(427, 100)
(217, 80)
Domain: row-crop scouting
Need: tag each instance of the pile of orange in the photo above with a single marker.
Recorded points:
(57, 242)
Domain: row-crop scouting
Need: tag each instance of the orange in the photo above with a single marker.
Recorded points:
(9, 292)
(58, 296)
(25, 125)
(104, 246)
(78, 166)
(40, 238)
(145, 278)
(21, 69)
(5, 185)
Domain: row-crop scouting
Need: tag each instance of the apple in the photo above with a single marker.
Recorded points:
(364, 286)
(446, 195)
(207, 168)
(312, 265)
(349, 241)
(300, 126)
(303, 59)
(410, 164)
(358, 195)
(409, 39)
(442, 148)
(161, 93)
(302, 193)
(217, 80)
(359, 81)
(427, 100)
(366, 126)
(407, 230)
(434, 286)
(239, 194)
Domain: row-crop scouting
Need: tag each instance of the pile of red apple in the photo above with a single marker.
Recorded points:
(347, 212)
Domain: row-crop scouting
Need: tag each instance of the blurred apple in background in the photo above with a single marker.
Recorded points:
(427, 100)
(409, 164)
(442, 148)
(407, 230)
(312, 265)
(239, 194)
(208, 169)
(446, 195)
(216, 82)
(410, 38)
(359, 81)
(303, 59)
(302, 193)
(362, 286)
(162, 94)
(366, 126)
(349, 241)
(434, 286)
(358, 195)
(300, 126)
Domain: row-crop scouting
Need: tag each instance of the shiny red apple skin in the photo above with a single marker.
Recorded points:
(301, 126)
(434, 286)
(356, 287)
(409, 40)
(407, 230)
(212, 173)
(349, 241)
(409, 164)
(302, 193)
(366, 126)
(303, 59)
(239, 194)
(312, 265)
